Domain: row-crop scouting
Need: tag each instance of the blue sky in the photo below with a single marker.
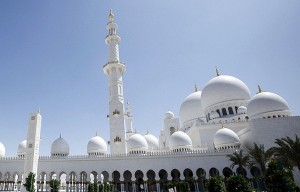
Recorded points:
(52, 53)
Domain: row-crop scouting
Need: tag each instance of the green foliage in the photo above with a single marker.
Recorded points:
(215, 184)
(260, 156)
(288, 150)
(279, 178)
(240, 160)
(105, 187)
(181, 186)
(29, 184)
(91, 187)
(237, 184)
(54, 185)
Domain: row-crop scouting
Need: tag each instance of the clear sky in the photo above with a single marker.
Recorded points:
(52, 53)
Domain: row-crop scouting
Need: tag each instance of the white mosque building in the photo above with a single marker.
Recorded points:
(212, 123)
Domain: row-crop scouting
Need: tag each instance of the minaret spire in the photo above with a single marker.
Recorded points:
(114, 69)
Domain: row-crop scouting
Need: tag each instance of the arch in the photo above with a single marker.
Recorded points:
(105, 176)
(127, 180)
(201, 174)
(63, 180)
(151, 180)
(255, 171)
(236, 109)
(71, 181)
(175, 175)
(224, 112)
(163, 178)
(241, 172)
(230, 111)
(218, 111)
(93, 177)
(227, 172)
(213, 172)
(116, 180)
(188, 174)
(139, 180)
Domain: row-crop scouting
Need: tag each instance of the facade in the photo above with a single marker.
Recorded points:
(212, 123)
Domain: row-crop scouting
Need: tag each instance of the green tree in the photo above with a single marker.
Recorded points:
(91, 187)
(29, 184)
(279, 178)
(54, 185)
(215, 184)
(288, 150)
(259, 155)
(240, 160)
(237, 184)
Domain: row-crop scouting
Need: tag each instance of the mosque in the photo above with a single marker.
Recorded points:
(219, 120)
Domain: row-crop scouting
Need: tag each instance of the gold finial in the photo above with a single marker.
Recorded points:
(259, 89)
(147, 132)
(96, 133)
(222, 125)
(39, 110)
(111, 15)
(217, 71)
(60, 135)
(196, 88)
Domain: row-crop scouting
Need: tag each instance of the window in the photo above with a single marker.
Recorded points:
(236, 109)
(224, 112)
(172, 130)
(30, 145)
(218, 111)
(230, 110)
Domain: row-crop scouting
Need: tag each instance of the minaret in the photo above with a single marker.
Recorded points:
(114, 69)
(33, 145)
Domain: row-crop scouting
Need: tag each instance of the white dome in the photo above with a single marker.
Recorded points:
(152, 141)
(214, 115)
(22, 148)
(267, 102)
(96, 146)
(226, 138)
(180, 140)
(60, 147)
(137, 143)
(191, 108)
(169, 115)
(2, 150)
(242, 110)
(223, 88)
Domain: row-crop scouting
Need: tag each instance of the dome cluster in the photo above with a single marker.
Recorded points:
(225, 99)
(138, 144)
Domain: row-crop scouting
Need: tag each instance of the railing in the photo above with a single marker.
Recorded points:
(147, 154)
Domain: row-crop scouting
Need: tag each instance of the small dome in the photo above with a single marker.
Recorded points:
(214, 115)
(224, 88)
(22, 149)
(2, 150)
(60, 147)
(180, 141)
(226, 138)
(96, 146)
(242, 110)
(169, 115)
(152, 141)
(137, 143)
(191, 108)
(266, 102)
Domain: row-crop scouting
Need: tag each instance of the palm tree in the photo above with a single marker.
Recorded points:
(288, 150)
(260, 156)
(240, 160)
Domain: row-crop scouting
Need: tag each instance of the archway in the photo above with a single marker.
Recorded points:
(139, 175)
(151, 183)
(213, 172)
(188, 177)
(63, 180)
(227, 172)
(175, 175)
(116, 180)
(71, 183)
(201, 174)
(163, 178)
(127, 181)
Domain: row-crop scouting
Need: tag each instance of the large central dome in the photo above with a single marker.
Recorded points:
(224, 88)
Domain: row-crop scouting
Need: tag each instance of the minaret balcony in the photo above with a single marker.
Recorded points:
(114, 64)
